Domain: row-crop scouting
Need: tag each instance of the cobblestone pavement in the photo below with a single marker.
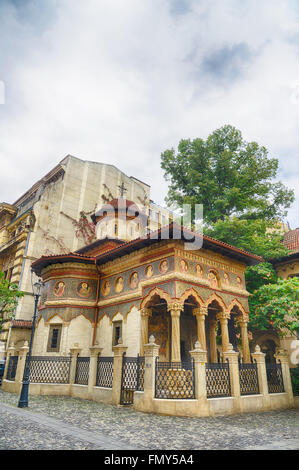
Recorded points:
(74, 424)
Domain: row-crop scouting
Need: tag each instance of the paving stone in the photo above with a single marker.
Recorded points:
(72, 423)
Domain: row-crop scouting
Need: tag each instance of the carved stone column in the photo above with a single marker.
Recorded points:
(245, 341)
(145, 314)
(175, 311)
(201, 314)
(213, 343)
(223, 318)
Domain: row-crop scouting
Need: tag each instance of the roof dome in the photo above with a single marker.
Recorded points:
(121, 206)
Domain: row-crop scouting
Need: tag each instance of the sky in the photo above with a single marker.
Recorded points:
(120, 82)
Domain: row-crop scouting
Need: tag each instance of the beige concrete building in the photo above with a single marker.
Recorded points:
(54, 217)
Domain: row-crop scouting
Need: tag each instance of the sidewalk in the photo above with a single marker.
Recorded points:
(64, 423)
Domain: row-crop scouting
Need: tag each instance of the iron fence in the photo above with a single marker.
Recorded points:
(175, 380)
(12, 368)
(140, 373)
(249, 384)
(54, 369)
(104, 372)
(274, 378)
(218, 380)
(132, 378)
(82, 370)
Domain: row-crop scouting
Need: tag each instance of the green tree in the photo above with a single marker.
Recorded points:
(227, 175)
(261, 237)
(277, 305)
(9, 296)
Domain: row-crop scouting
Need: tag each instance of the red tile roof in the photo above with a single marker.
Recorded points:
(21, 324)
(291, 240)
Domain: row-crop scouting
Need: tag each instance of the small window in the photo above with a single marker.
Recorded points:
(54, 338)
(117, 332)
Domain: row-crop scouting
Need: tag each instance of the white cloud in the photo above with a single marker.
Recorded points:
(120, 82)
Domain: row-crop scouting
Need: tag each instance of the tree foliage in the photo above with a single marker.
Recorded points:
(9, 296)
(261, 237)
(227, 175)
(276, 305)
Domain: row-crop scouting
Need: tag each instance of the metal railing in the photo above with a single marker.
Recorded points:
(12, 368)
(140, 373)
(82, 370)
(53, 369)
(175, 380)
(104, 372)
(218, 380)
(274, 378)
(249, 383)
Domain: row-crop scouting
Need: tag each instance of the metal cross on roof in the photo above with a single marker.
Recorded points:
(122, 188)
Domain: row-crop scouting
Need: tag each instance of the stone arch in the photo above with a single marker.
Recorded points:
(114, 315)
(236, 304)
(83, 315)
(56, 314)
(157, 291)
(191, 293)
(218, 299)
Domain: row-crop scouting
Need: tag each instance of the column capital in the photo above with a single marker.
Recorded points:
(175, 308)
(146, 312)
(223, 316)
(200, 311)
(242, 320)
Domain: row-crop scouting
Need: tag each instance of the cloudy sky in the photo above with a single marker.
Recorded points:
(120, 81)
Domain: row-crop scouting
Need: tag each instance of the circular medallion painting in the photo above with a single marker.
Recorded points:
(163, 268)
(106, 288)
(119, 284)
(134, 281)
(84, 289)
(59, 288)
(149, 271)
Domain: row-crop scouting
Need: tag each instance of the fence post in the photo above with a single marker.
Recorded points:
(259, 358)
(93, 364)
(10, 352)
(232, 357)
(200, 358)
(282, 357)
(119, 351)
(151, 352)
(74, 354)
(21, 363)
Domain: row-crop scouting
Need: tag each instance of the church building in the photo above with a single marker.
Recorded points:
(132, 283)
